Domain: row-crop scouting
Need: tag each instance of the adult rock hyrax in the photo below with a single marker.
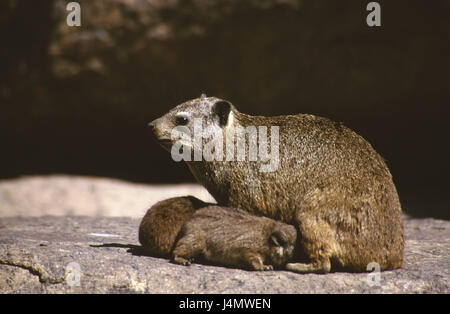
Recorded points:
(233, 237)
(163, 221)
(329, 183)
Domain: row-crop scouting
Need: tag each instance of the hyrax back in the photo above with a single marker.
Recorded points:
(232, 237)
(329, 182)
(163, 221)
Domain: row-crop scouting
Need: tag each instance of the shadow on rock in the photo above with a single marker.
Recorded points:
(134, 249)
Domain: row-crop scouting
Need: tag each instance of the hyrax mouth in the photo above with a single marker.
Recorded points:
(162, 138)
(166, 143)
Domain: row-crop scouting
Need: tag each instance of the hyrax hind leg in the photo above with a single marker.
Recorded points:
(187, 248)
(318, 242)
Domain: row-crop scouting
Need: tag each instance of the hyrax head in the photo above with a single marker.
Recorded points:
(213, 114)
(281, 244)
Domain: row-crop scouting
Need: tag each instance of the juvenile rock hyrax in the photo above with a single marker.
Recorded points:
(233, 237)
(326, 180)
(163, 221)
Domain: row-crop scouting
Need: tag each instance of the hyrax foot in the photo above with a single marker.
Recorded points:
(182, 261)
(262, 267)
(319, 268)
(256, 262)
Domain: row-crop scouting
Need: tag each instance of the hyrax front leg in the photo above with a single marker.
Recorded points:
(187, 248)
(255, 261)
(319, 244)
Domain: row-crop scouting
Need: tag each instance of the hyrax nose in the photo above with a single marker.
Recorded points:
(155, 124)
(153, 128)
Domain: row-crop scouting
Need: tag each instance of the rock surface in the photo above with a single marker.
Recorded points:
(42, 255)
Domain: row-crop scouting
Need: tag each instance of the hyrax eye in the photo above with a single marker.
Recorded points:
(181, 120)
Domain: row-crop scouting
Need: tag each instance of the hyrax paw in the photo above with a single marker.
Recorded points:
(182, 261)
(318, 268)
(263, 267)
(267, 267)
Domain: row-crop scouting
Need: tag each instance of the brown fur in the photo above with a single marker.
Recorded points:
(232, 237)
(163, 221)
(331, 184)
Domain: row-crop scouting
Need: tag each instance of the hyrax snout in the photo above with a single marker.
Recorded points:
(326, 180)
(232, 237)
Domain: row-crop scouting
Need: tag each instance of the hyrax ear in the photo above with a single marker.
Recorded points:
(222, 109)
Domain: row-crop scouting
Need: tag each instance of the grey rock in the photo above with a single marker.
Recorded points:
(36, 255)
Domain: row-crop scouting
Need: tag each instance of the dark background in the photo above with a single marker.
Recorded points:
(77, 100)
